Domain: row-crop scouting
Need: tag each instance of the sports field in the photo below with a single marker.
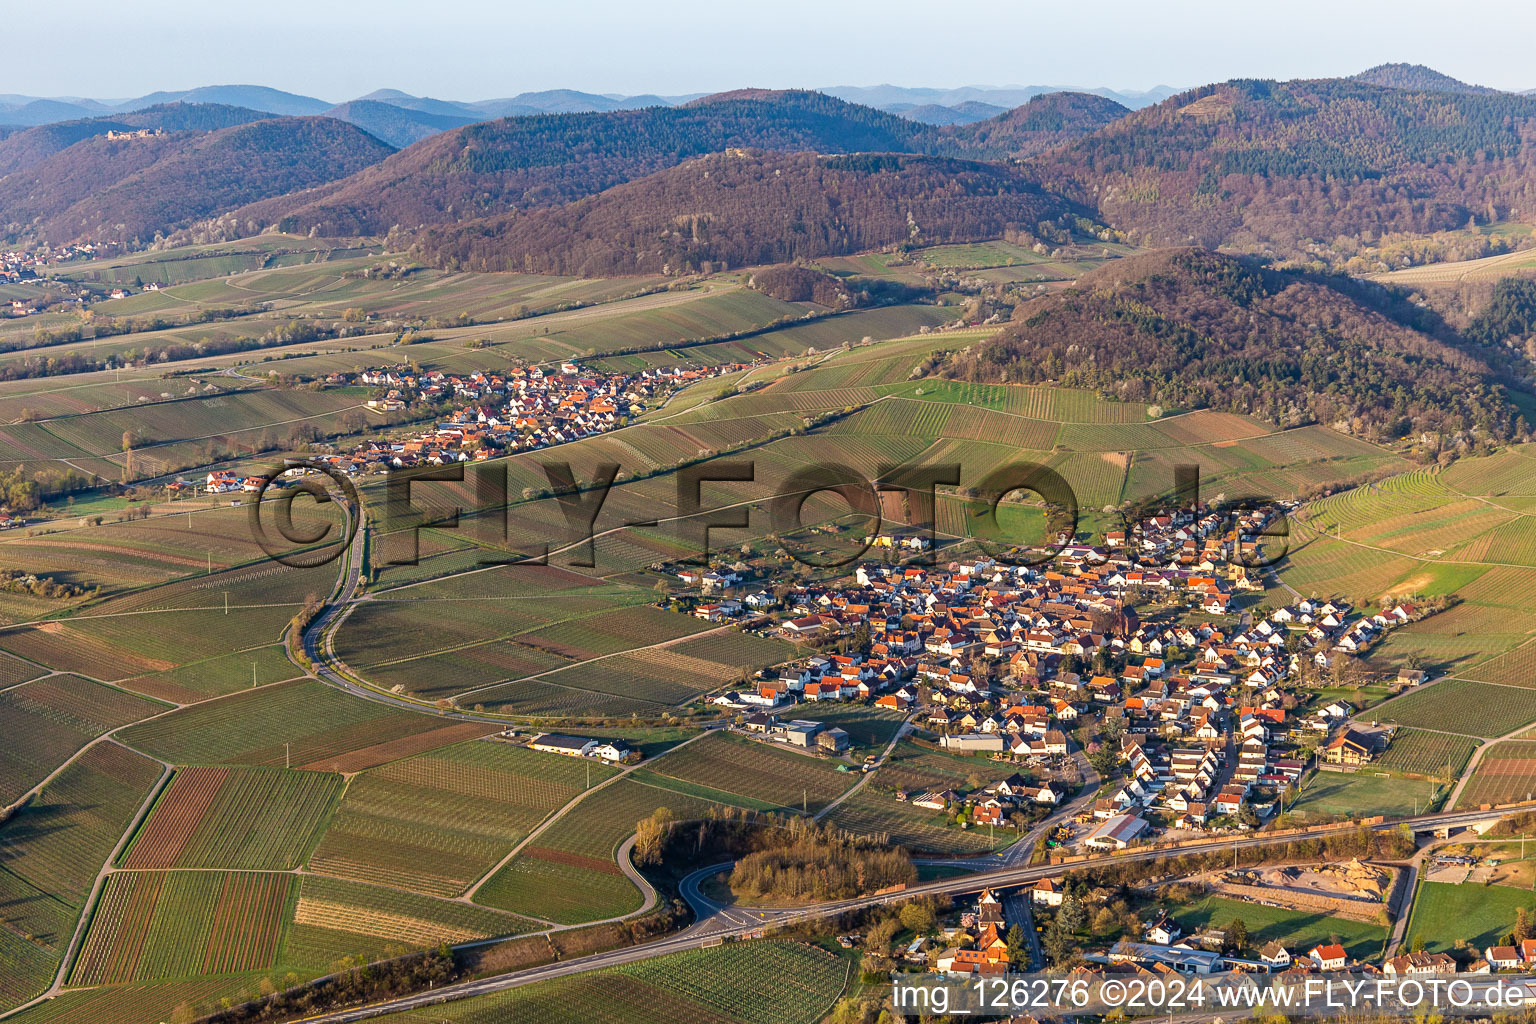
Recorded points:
(1363, 794)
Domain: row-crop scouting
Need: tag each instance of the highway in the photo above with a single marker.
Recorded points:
(696, 937)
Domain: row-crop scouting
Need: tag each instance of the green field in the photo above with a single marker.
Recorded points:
(1427, 753)
(53, 848)
(48, 721)
(334, 919)
(1505, 774)
(567, 873)
(1298, 931)
(758, 771)
(151, 925)
(1363, 794)
(915, 768)
(874, 811)
(302, 724)
(1482, 914)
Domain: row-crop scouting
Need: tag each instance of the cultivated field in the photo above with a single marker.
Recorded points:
(875, 811)
(1505, 774)
(1445, 705)
(222, 817)
(568, 873)
(758, 771)
(300, 724)
(1427, 753)
(47, 721)
(746, 983)
(155, 924)
(53, 848)
(437, 822)
(334, 919)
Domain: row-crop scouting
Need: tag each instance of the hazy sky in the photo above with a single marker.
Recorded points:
(479, 49)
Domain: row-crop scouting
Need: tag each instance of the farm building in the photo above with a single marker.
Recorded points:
(570, 746)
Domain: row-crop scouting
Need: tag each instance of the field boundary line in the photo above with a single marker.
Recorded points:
(556, 815)
(88, 910)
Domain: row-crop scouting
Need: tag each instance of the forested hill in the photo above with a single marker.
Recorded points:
(129, 190)
(1188, 328)
(748, 208)
(521, 162)
(29, 147)
(1053, 119)
(1416, 77)
(395, 125)
(1279, 166)
(487, 169)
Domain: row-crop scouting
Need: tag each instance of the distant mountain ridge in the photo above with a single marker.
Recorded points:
(484, 170)
(489, 168)
(27, 111)
(252, 97)
(397, 126)
(968, 112)
(890, 97)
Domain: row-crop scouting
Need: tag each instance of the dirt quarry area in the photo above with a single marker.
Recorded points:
(1352, 880)
(1351, 889)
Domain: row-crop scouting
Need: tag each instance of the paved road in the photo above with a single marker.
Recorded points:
(1409, 883)
(1018, 910)
(713, 918)
(997, 878)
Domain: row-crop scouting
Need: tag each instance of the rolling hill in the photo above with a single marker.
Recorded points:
(747, 208)
(29, 147)
(398, 126)
(1043, 123)
(968, 112)
(1285, 167)
(515, 163)
(1416, 78)
(252, 97)
(1189, 328)
(130, 189)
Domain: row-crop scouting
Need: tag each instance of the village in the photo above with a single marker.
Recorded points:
(25, 266)
(520, 409)
(997, 935)
(1198, 719)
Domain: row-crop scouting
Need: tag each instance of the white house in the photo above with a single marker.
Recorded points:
(1329, 957)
